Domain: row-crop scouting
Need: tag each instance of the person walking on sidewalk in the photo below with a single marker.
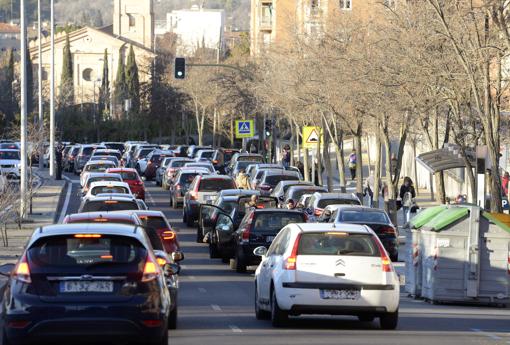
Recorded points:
(353, 158)
(369, 189)
(407, 194)
(504, 183)
(286, 156)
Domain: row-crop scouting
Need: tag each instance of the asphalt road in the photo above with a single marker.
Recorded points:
(216, 307)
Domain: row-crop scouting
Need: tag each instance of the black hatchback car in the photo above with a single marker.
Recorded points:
(83, 282)
(258, 228)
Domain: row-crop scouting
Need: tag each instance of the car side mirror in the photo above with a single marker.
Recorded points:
(177, 256)
(6, 269)
(260, 251)
(173, 269)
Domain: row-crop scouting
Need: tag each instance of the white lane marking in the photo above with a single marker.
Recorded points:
(66, 203)
(192, 277)
(69, 180)
(235, 329)
(492, 336)
(202, 290)
(215, 307)
(151, 200)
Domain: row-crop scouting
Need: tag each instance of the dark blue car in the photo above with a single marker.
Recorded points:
(86, 283)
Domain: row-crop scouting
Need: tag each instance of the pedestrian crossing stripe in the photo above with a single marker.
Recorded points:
(313, 138)
(245, 129)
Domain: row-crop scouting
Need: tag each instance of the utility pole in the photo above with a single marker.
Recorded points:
(52, 91)
(23, 134)
(39, 74)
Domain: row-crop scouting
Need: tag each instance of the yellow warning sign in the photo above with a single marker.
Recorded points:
(311, 136)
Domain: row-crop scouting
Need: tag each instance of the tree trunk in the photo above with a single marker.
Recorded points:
(298, 146)
(327, 158)
(320, 143)
(339, 148)
(306, 166)
(377, 168)
(231, 130)
(359, 164)
(214, 129)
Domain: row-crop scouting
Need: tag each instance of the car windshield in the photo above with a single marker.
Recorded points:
(114, 146)
(178, 163)
(337, 243)
(363, 217)
(326, 202)
(109, 205)
(109, 189)
(88, 150)
(203, 166)
(215, 185)
(242, 165)
(206, 154)
(11, 155)
(250, 159)
(227, 155)
(84, 254)
(98, 167)
(144, 152)
(273, 222)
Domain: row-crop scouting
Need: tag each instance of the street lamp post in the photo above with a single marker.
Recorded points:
(52, 91)
(96, 115)
(41, 123)
(23, 134)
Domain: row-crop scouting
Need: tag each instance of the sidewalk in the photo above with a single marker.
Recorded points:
(44, 208)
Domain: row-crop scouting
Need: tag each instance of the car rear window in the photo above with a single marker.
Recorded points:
(119, 147)
(86, 254)
(250, 159)
(98, 167)
(153, 222)
(363, 217)
(102, 220)
(87, 150)
(273, 180)
(187, 178)
(129, 175)
(273, 222)
(97, 179)
(109, 189)
(178, 164)
(109, 205)
(299, 192)
(227, 155)
(145, 152)
(242, 165)
(215, 185)
(75, 151)
(228, 206)
(207, 154)
(326, 202)
(337, 243)
(199, 166)
(9, 155)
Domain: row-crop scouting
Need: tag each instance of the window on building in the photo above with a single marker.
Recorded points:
(132, 20)
(266, 17)
(346, 5)
(87, 74)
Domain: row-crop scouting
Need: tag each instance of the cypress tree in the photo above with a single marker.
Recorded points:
(30, 84)
(9, 102)
(120, 82)
(66, 79)
(104, 90)
(132, 81)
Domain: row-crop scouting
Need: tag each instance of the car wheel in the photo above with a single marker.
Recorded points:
(240, 265)
(389, 320)
(366, 318)
(213, 251)
(189, 221)
(172, 319)
(278, 317)
(259, 313)
(164, 338)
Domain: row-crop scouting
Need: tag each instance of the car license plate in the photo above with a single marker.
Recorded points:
(86, 286)
(269, 238)
(350, 294)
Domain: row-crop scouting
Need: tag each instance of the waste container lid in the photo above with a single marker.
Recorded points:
(425, 216)
(447, 217)
(500, 219)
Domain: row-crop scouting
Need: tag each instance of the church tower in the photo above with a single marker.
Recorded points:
(134, 20)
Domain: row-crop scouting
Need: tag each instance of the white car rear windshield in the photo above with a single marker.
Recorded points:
(337, 243)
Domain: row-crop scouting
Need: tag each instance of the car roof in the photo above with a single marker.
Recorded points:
(349, 196)
(102, 174)
(89, 228)
(149, 213)
(295, 182)
(335, 207)
(362, 209)
(105, 162)
(299, 187)
(10, 150)
(331, 227)
(118, 197)
(280, 172)
(193, 171)
(237, 192)
(276, 210)
(117, 170)
(216, 177)
(107, 215)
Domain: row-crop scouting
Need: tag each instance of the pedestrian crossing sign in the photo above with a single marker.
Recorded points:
(245, 129)
(311, 136)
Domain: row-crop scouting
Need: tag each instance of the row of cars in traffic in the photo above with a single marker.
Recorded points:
(109, 272)
(316, 252)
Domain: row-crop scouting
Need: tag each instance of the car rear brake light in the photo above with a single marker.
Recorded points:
(152, 323)
(337, 233)
(318, 212)
(385, 260)
(245, 234)
(290, 263)
(18, 324)
(100, 220)
(87, 236)
(111, 202)
(161, 262)
(150, 270)
(22, 272)
(168, 235)
(387, 230)
(215, 161)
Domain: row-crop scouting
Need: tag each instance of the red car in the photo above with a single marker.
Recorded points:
(154, 160)
(131, 177)
(156, 220)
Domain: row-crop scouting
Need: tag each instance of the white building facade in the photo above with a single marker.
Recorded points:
(197, 28)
